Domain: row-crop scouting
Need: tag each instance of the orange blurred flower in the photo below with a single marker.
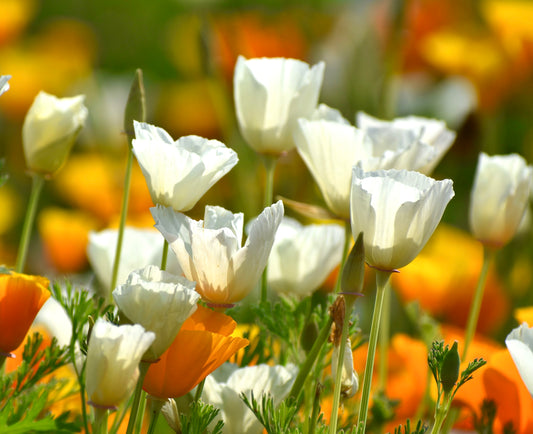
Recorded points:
(14, 17)
(65, 235)
(203, 343)
(443, 278)
(21, 298)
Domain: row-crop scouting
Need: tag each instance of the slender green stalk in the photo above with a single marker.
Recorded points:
(338, 376)
(382, 278)
(347, 242)
(140, 416)
(315, 411)
(2, 364)
(488, 256)
(199, 390)
(122, 224)
(440, 413)
(143, 369)
(164, 256)
(100, 420)
(310, 360)
(81, 383)
(36, 188)
(384, 337)
(270, 168)
(153, 422)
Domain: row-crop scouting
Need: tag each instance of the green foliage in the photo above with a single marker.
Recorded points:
(419, 429)
(276, 420)
(382, 411)
(484, 423)
(200, 417)
(25, 398)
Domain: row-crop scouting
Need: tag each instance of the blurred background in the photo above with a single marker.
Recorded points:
(467, 62)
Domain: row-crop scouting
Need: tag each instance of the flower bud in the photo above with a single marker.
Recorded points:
(49, 131)
(449, 371)
(349, 377)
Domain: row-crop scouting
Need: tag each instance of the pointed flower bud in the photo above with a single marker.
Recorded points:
(136, 104)
(449, 371)
(49, 131)
(353, 274)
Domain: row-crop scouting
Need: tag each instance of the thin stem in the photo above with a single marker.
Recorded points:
(81, 382)
(123, 215)
(310, 360)
(153, 422)
(270, 168)
(441, 412)
(384, 337)
(347, 243)
(100, 420)
(488, 256)
(164, 256)
(36, 188)
(338, 376)
(140, 416)
(199, 390)
(382, 278)
(143, 369)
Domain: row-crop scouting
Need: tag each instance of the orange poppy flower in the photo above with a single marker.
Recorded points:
(203, 343)
(21, 298)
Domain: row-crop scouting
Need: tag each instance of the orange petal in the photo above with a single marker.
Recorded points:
(21, 298)
(207, 319)
(193, 355)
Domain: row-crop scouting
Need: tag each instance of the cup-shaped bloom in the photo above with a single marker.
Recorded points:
(21, 298)
(210, 252)
(160, 302)
(397, 210)
(434, 137)
(302, 257)
(146, 243)
(4, 85)
(178, 173)
(203, 343)
(113, 358)
(50, 129)
(270, 95)
(224, 387)
(520, 344)
(330, 148)
(499, 197)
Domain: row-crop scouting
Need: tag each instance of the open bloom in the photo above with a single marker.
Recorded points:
(210, 252)
(178, 173)
(303, 256)
(160, 302)
(50, 129)
(21, 298)
(203, 343)
(432, 137)
(520, 344)
(270, 95)
(113, 358)
(224, 387)
(397, 210)
(499, 197)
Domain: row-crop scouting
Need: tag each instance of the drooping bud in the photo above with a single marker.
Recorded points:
(349, 377)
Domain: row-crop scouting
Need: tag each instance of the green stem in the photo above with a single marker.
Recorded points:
(140, 416)
(122, 224)
(36, 188)
(338, 376)
(382, 278)
(441, 412)
(164, 256)
(270, 168)
(153, 422)
(310, 360)
(384, 338)
(81, 382)
(488, 256)
(315, 411)
(143, 369)
(347, 242)
(199, 390)
(100, 420)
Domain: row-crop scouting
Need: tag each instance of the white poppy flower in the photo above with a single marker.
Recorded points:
(223, 392)
(349, 377)
(270, 95)
(146, 243)
(50, 129)
(210, 252)
(330, 149)
(178, 173)
(302, 257)
(113, 358)
(520, 344)
(430, 139)
(397, 211)
(4, 85)
(160, 302)
(499, 197)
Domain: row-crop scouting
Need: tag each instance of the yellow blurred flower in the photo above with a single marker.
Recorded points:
(14, 17)
(524, 314)
(443, 278)
(65, 234)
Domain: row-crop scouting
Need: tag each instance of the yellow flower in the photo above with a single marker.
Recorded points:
(21, 298)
